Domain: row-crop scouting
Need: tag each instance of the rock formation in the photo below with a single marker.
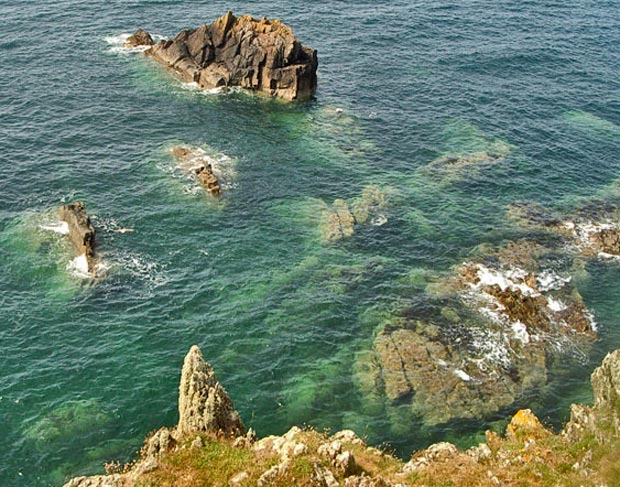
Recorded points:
(81, 231)
(204, 405)
(139, 38)
(259, 55)
(498, 323)
(529, 454)
(196, 161)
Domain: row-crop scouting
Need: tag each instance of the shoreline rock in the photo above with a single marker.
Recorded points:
(81, 232)
(259, 55)
(306, 457)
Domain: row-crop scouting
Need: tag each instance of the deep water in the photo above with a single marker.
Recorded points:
(88, 369)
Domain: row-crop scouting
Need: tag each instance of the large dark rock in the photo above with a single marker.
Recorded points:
(260, 55)
(81, 231)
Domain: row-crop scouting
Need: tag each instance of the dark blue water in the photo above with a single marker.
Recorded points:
(86, 371)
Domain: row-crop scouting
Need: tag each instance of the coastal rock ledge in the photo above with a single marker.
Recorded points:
(209, 447)
(259, 55)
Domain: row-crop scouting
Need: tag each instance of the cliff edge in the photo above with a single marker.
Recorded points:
(210, 446)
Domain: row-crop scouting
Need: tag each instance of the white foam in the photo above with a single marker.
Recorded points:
(379, 220)
(117, 43)
(505, 280)
(555, 305)
(79, 267)
(548, 280)
(60, 227)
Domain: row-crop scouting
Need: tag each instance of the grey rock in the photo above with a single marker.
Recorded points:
(204, 405)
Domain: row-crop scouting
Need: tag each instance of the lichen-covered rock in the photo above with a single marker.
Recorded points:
(204, 404)
(81, 231)
(260, 55)
(603, 418)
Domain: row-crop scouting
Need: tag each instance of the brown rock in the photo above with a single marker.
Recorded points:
(81, 231)
(204, 404)
(258, 55)
(139, 38)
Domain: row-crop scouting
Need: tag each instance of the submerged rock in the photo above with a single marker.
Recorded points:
(259, 55)
(81, 232)
(204, 404)
(509, 317)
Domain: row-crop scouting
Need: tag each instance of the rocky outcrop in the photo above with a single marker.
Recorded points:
(81, 231)
(259, 55)
(139, 38)
(196, 161)
(602, 420)
(526, 454)
(204, 404)
(497, 325)
(592, 231)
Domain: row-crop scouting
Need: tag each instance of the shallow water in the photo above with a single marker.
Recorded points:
(87, 369)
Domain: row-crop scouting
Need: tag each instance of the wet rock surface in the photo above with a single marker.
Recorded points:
(195, 160)
(81, 231)
(500, 322)
(139, 38)
(259, 55)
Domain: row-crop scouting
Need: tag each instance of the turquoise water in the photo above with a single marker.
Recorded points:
(88, 369)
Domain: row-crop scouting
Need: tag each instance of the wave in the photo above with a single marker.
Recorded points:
(117, 43)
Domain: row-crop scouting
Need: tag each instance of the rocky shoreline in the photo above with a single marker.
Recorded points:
(210, 446)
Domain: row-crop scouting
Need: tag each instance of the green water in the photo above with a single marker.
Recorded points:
(89, 368)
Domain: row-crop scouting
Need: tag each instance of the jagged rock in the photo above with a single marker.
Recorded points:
(115, 480)
(523, 426)
(81, 231)
(196, 160)
(204, 404)
(330, 450)
(603, 418)
(439, 452)
(347, 436)
(323, 477)
(345, 463)
(260, 55)
(139, 38)
(159, 444)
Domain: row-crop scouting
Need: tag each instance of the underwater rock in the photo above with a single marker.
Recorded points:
(510, 316)
(204, 404)
(139, 38)
(593, 230)
(463, 160)
(70, 420)
(259, 55)
(341, 218)
(339, 223)
(196, 160)
(81, 232)
(603, 417)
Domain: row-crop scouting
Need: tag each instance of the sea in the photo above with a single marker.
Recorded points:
(88, 367)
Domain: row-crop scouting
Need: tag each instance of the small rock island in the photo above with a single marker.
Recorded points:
(258, 55)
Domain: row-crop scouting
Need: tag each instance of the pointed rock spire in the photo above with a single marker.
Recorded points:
(204, 404)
